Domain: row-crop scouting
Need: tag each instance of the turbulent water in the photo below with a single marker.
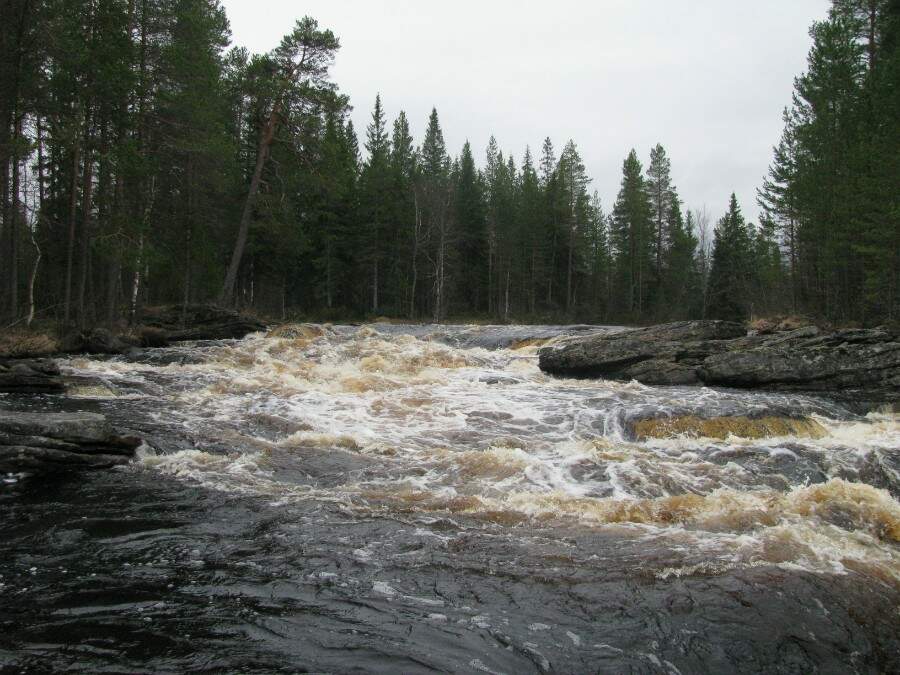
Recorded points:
(421, 498)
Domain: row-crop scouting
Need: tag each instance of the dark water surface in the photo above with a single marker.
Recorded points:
(419, 500)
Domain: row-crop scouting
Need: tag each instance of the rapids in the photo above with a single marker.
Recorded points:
(392, 498)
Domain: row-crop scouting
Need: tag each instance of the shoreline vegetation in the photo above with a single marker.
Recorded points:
(147, 161)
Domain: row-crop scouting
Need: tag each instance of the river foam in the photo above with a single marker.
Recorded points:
(418, 421)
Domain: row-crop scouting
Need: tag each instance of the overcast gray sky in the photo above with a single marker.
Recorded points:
(706, 78)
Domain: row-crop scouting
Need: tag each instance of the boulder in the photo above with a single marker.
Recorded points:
(854, 365)
(41, 442)
(198, 322)
(94, 341)
(33, 376)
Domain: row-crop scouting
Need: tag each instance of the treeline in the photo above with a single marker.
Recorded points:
(146, 162)
(833, 190)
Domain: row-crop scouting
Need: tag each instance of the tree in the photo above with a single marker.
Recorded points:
(434, 199)
(469, 214)
(681, 276)
(631, 235)
(300, 72)
(662, 196)
(728, 287)
(573, 183)
(374, 187)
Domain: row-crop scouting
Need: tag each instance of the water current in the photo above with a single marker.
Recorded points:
(406, 499)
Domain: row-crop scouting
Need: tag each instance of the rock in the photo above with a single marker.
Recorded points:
(852, 365)
(94, 341)
(722, 427)
(780, 324)
(199, 322)
(33, 442)
(35, 376)
(150, 336)
(666, 354)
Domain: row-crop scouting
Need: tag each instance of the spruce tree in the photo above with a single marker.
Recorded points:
(375, 181)
(729, 284)
(469, 214)
(631, 237)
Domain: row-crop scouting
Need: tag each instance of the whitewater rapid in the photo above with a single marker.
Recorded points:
(424, 422)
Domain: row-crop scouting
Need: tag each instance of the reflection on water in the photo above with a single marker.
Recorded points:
(416, 498)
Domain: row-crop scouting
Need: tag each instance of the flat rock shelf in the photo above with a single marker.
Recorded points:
(862, 365)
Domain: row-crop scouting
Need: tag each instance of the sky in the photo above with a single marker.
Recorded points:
(706, 78)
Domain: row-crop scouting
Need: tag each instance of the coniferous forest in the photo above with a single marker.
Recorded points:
(146, 161)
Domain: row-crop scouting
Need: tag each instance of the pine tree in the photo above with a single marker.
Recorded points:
(661, 191)
(304, 56)
(573, 183)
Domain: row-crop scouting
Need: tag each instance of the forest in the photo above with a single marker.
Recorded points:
(146, 161)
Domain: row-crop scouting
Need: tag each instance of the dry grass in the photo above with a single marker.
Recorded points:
(27, 344)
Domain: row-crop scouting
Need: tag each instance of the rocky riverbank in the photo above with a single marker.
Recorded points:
(153, 327)
(857, 365)
(42, 442)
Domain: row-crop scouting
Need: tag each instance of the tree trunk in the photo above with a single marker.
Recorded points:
(375, 287)
(15, 212)
(86, 205)
(32, 279)
(415, 254)
(73, 216)
(265, 143)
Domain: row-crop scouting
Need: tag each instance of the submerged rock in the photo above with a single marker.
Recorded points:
(856, 365)
(34, 376)
(40, 442)
(723, 427)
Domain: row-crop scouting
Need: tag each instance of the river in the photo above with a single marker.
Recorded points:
(411, 499)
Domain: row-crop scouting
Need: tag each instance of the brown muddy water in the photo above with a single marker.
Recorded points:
(411, 499)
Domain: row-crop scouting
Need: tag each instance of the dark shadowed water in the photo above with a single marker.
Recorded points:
(421, 499)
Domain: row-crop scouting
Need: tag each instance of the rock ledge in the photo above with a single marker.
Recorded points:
(42, 442)
(860, 365)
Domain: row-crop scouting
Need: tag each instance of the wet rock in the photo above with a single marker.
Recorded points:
(866, 362)
(723, 427)
(34, 376)
(199, 322)
(43, 442)
(855, 364)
